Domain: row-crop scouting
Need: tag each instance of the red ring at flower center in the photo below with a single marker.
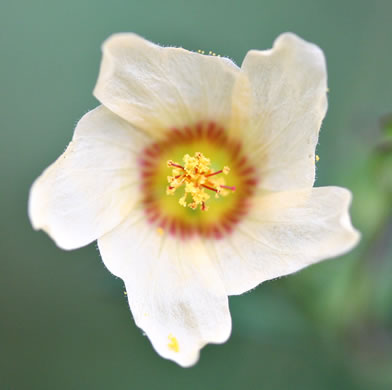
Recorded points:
(223, 213)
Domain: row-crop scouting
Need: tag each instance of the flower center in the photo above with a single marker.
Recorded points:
(197, 177)
(176, 171)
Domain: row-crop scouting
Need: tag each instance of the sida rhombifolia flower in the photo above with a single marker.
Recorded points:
(196, 178)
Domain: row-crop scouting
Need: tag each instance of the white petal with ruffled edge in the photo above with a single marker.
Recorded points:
(285, 232)
(174, 292)
(158, 88)
(93, 186)
(287, 105)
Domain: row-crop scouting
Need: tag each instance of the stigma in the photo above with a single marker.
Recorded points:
(198, 180)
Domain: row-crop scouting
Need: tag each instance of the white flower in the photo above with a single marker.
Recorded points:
(196, 178)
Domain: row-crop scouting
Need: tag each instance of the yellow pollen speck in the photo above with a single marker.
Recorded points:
(173, 344)
(197, 178)
(160, 231)
(210, 53)
(125, 293)
(317, 158)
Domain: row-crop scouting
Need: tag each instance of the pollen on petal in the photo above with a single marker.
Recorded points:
(173, 343)
(160, 231)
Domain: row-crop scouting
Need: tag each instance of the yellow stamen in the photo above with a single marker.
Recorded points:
(317, 158)
(197, 177)
(173, 344)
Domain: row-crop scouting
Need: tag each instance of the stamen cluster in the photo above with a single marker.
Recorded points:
(197, 177)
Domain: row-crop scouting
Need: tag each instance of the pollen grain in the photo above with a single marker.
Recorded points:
(173, 343)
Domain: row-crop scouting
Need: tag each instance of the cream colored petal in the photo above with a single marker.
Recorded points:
(285, 232)
(174, 292)
(93, 186)
(157, 88)
(288, 104)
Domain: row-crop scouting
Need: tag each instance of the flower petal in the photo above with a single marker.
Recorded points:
(174, 292)
(158, 88)
(93, 186)
(288, 104)
(286, 231)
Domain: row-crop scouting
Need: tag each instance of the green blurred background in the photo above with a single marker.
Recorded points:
(64, 321)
